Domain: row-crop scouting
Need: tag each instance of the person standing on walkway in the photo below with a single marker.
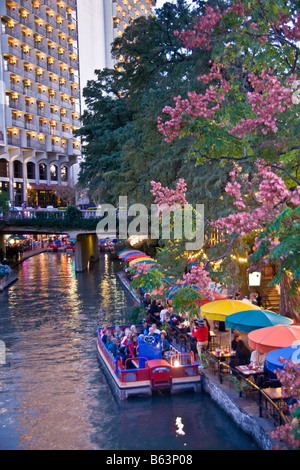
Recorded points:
(200, 332)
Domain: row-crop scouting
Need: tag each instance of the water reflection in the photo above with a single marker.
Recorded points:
(55, 396)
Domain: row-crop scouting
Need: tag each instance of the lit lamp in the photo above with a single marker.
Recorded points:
(254, 278)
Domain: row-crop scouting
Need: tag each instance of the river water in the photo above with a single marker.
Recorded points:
(53, 393)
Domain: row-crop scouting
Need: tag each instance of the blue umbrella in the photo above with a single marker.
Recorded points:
(291, 353)
(250, 320)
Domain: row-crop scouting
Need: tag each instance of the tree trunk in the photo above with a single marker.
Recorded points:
(288, 303)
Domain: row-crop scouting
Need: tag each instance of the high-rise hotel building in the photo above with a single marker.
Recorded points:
(39, 97)
(49, 49)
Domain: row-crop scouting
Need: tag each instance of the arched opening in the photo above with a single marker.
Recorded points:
(64, 173)
(42, 171)
(3, 168)
(53, 173)
(31, 171)
(18, 169)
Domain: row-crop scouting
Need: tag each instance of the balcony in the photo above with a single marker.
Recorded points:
(13, 140)
(30, 88)
(30, 124)
(25, 4)
(30, 107)
(29, 72)
(54, 100)
(51, 4)
(51, 18)
(40, 12)
(73, 32)
(14, 49)
(16, 84)
(27, 37)
(54, 82)
(12, 13)
(52, 51)
(43, 109)
(71, 3)
(42, 77)
(16, 104)
(27, 20)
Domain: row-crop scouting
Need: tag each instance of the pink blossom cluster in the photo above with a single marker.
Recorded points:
(199, 277)
(290, 380)
(196, 106)
(290, 27)
(142, 268)
(271, 195)
(200, 36)
(167, 197)
(268, 98)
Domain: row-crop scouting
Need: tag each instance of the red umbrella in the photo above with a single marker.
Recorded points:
(274, 337)
(216, 296)
(135, 256)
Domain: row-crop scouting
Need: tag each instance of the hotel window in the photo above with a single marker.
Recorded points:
(64, 173)
(43, 171)
(3, 168)
(53, 173)
(18, 169)
(31, 171)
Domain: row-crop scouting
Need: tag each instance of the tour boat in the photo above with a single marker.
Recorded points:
(149, 372)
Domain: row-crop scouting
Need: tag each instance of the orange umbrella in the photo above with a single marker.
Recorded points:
(273, 337)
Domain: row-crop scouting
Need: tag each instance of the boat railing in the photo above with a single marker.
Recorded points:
(136, 373)
(181, 359)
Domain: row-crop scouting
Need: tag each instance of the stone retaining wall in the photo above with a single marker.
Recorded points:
(7, 280)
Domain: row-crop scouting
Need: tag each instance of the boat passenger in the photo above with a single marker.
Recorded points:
(124, 342)
(145, 328)
(133, 329)
(118, 334)
(112, 346)
(164, 343)
(132, 352)
(156, 331)
(104, 334)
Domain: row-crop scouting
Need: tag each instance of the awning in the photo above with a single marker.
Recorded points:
(41, 187)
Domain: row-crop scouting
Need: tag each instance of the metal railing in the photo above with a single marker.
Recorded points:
(246, 388)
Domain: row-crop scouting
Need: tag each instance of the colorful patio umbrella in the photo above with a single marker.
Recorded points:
(250, 320)
(141, 260)
(128, 252)
(219, 309)
(274, 337)
(131, 256)
(292, 353)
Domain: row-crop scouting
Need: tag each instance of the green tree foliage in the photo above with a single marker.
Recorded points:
(123, 147)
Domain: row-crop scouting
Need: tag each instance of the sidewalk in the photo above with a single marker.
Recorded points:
(28, 254)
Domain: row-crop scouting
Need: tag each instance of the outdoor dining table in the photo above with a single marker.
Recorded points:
(222, 355)
(274, 393)
(248, 370)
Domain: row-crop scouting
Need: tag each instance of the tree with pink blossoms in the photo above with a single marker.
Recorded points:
(248, 114)
(289, 434)
(249, 108)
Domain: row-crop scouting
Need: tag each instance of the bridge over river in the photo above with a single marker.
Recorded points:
(78, 225)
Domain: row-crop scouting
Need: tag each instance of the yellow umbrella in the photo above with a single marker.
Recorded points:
(219, 309)
(134, 261)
